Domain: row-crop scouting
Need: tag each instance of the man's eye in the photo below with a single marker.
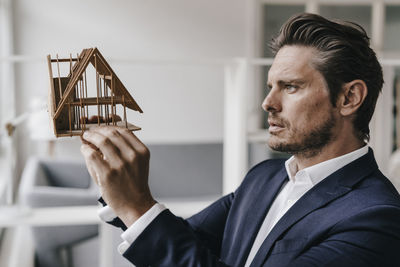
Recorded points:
(291, 88)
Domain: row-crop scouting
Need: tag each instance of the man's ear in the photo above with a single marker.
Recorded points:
(352, 96)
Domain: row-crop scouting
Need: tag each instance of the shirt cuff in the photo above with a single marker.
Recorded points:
(106, 213)
(130, 235)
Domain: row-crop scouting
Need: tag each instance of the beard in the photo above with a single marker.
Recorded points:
(306, 143)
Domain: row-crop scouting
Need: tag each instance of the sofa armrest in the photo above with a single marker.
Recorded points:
(50, 183)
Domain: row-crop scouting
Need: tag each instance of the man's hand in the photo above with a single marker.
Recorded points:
(119, 163)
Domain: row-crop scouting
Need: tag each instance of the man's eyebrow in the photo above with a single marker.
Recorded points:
(297, 81)
(289, 81)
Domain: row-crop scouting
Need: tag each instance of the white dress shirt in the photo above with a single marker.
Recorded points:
(298, 184)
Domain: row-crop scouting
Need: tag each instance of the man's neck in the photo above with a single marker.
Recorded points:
(330, 151)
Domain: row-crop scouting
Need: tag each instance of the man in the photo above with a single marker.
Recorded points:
(328, 205)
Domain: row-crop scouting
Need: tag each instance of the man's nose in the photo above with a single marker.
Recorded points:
(271, 102)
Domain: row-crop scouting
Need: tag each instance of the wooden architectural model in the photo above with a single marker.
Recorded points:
(75, 107)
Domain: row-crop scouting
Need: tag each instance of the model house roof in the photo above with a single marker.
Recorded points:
(76, 105)
(94, 57)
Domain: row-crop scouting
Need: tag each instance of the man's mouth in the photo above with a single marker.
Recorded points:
(275, 126)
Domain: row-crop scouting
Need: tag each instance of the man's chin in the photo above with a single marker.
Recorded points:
(275, 144)
(280, 145)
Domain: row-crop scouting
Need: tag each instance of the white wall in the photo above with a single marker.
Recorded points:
(180, 103)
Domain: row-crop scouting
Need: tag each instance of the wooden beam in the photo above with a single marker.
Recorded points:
(107, 77)
(64, 60)
(52, 93)
(65, 133)
(92, 101)
(97, 87)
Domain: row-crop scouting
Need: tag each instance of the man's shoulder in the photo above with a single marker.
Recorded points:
(372, 205)
(376, 189)
(371, 196)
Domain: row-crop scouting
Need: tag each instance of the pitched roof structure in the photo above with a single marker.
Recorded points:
(72, 91)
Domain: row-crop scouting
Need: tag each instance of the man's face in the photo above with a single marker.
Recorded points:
(301, 117)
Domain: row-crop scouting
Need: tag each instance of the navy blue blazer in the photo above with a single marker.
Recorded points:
(351, 218)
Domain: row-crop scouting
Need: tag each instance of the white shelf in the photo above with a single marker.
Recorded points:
(12, 216)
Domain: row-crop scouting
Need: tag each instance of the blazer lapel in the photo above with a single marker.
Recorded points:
(255, 212)
(332, 187)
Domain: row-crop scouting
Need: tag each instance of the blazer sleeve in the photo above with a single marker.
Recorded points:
(171, 241)
(370, 238)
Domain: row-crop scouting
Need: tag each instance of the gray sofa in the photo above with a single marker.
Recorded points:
(52, 183)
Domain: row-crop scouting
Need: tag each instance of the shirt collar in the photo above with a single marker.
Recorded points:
(318, 172)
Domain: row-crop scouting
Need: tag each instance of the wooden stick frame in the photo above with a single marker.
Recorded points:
(69, 107)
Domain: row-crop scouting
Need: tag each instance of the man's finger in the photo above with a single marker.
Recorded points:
(105, 144)
(94, 162)
(124, 147)
(93, 174)
(132, 139)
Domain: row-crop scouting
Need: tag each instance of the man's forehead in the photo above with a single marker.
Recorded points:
(292, 61)
(295, 56)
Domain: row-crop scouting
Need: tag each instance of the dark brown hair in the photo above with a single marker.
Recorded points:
(344, 55)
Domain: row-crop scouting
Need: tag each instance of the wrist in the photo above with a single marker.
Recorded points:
(131, 214)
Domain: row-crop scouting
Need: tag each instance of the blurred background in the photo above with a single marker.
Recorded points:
(196, 68)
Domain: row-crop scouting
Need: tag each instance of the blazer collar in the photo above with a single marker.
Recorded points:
(259, 205)
(332, 187)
